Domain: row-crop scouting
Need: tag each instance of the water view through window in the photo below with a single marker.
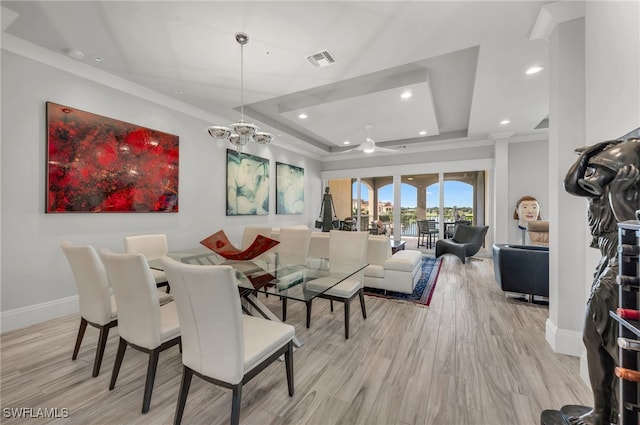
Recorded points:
(420, 199)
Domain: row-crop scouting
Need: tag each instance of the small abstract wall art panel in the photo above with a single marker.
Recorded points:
(247, 184)
(99, 164)
(289, 189)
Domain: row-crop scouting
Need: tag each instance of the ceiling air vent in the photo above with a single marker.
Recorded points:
(321, 59)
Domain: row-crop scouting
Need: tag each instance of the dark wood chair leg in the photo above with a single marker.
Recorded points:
(362, 306)
(235, 404)
(81, 329)
(284, 309)
(122, 346)
(187, 374)
(288, 361)
(346, 318)
(102, 343)
(151, 377)
(308, 314)
(331, 304)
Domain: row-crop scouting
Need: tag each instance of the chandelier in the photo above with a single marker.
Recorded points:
(241, 132)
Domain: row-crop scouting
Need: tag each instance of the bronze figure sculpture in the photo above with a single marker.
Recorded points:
(608, 174)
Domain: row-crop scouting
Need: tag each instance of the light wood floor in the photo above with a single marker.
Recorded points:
(472, 357)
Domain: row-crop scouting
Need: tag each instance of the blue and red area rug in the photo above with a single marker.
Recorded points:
(424, 288)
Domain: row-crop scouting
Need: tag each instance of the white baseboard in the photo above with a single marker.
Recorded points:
(563, 341)
(29, 315)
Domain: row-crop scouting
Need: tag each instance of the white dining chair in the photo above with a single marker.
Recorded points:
(292, 249)
(143, 324)
(219, 343)
(294, 245)
(249, 234)
(152, 246)
(345, 249)
(97, 304)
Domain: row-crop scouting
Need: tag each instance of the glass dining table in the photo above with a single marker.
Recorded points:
(271, 275)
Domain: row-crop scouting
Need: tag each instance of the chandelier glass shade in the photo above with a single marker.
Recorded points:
(241, 132)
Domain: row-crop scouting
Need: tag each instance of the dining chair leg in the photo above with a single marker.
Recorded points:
(284, 309)
(81, 329)
(362, 306)
(122, 346)
(102, 343)
(235, 404)
(288, 361)
(151, 377)
(346, 318)
(331, 304)
(308, 314)
(187, 374)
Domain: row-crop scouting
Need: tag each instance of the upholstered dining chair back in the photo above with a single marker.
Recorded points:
(210, 317)
(136, 296)
(91, 281)
(249, 235)
(151, 246)
(346, 248)
(294, 245)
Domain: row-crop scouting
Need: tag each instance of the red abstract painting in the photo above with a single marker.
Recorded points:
(98, 164)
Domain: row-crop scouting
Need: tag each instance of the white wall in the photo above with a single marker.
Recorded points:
(36, 282)
(612, 74)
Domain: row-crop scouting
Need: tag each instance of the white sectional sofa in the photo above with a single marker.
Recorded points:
(399, 272)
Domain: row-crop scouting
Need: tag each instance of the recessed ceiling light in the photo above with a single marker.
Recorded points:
(98, 58)
(534, 70)
(422, 133)
(302, 116)
(505, 122)
(406, 95)
(178, 92)
(346, 142)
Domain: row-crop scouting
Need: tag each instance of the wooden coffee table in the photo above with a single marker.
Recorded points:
(397, 246)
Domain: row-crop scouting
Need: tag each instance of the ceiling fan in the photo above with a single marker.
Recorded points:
(369, 145)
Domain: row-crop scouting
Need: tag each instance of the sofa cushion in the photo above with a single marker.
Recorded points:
(374, 270)
(378, 249)
(403, 261)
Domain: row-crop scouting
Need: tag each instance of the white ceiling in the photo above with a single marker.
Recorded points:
(464, 63)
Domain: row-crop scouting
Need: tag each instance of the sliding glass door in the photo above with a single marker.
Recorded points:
(447, 198)
(417, 203)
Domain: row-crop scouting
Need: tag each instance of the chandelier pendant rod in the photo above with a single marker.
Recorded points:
(241, 82)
